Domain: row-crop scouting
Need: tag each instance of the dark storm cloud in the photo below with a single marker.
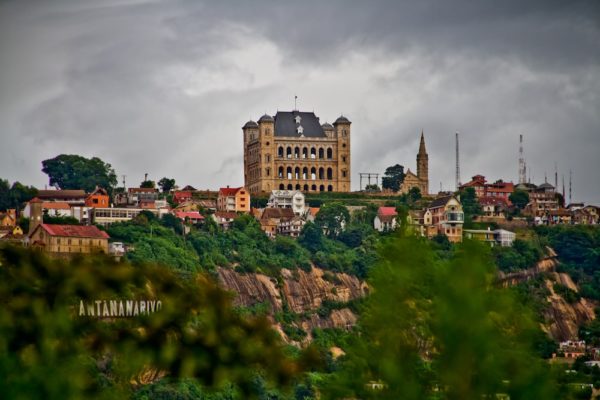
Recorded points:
(164, 87)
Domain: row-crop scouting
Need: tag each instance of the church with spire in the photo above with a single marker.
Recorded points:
(421, 179)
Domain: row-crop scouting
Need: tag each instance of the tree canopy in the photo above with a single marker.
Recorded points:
(13, 196)
(48, 347)
(439, 329)
(70, 171)
(393, 177)
(332, 218)
(519, 198)
(166, 184)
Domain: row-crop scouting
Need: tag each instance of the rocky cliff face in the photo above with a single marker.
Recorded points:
(303, 293)
(564, 319)
(561, 319)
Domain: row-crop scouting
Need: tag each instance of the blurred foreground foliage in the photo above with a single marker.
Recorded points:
(49, 351)
(439, 328)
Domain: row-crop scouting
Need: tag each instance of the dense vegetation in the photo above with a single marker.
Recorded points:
(50, 350)
(71, 171)
(246, 247)
(15, 195)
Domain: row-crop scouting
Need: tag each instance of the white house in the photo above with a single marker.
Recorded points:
(293, 199)
(386, 219)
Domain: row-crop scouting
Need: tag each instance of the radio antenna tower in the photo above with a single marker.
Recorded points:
(555, 176)
(570, 186)
(522, 167)
(457, 164)
(124, 176)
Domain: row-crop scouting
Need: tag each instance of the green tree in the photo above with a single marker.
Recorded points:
(470, 205)
(14, 196)
(519, 198)
(70, 171)
(148, 184)
(332, 218)
(440, 329)
(372, 188)
(393, 177)
(166, 184)
(48, 349)
(414, 195)
(311, 237)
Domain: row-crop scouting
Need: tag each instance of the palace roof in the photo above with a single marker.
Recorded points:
(288, 122)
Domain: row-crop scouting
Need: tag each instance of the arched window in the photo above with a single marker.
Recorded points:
(288, 152)
(296, 152)
(306, 188)
(304, 173)
(290, 187)
(321, 153)
(330, 188)
(329, 173)
(289, 172)
(280, 151)
(313, 173)
(313, 188)
(281, 186)
(304, 152)
(313, 153)
(321, 173)
(268, 171)
(297, 173)
(298, 186)
(280, 172)
(322, 188)
(329, 153)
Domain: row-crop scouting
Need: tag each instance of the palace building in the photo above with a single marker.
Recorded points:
(294, 151)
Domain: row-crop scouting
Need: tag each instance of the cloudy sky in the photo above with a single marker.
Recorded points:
(164, 86)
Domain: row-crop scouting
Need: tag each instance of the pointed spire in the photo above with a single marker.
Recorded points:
(422, 144)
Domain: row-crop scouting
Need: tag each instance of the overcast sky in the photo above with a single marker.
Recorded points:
(164, 87)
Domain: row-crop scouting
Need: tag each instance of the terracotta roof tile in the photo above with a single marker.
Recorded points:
(83, 231)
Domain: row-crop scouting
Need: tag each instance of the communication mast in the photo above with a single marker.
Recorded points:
(522, 166)
(570, 186)
(457, 164)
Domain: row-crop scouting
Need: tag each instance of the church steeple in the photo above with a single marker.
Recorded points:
(422, 145)
(423, 166)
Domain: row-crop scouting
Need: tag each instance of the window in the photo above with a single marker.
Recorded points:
(329, 154)
(321, 153)
(343, 158)
(344, 133)
(344, 173)
(344, 145)
(329, 173)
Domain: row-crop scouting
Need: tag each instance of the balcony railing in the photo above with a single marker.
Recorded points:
(454, 216)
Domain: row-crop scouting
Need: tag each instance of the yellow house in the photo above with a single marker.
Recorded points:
(8, 218)
(444, 216)
(69, 239)
(233, 199)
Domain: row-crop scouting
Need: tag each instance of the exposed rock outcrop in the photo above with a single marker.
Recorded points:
(302, 291)
(564, 319)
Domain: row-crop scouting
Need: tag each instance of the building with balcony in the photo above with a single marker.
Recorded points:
(233, 200)
(294, 151)
(444, 216)
(293, 199)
